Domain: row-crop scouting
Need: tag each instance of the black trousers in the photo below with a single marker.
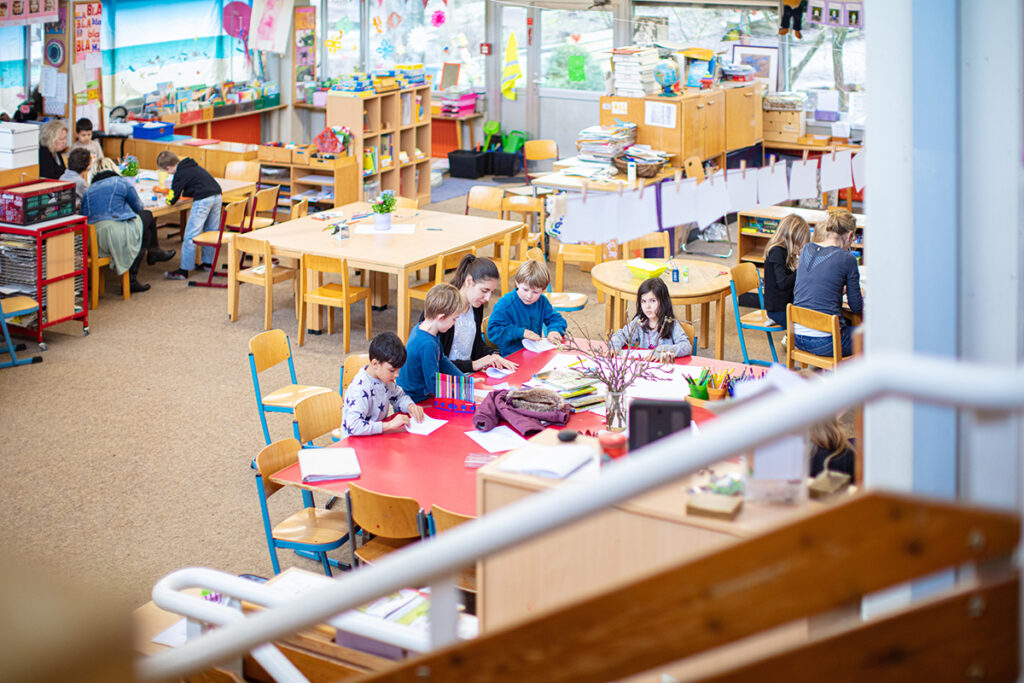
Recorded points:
(793, 17)
(149, 234)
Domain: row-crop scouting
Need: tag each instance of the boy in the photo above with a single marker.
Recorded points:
(192, 180)
(79, 161)
(523, 313)
(83, 139)
(373, 388)
(443, 305)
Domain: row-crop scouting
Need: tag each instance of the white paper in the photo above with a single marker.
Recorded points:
(669, 384)
(859, 171)
(62, 87)
(620, 107)
(771, 187)
(498, 373)
(828, 100)
(396, 229)
(93, 60)
(328, 464)
(296, 583)
(679, 203)
(782, 459)
(429, 424)
(840, 129)
(659, 114)
(501, 438)
(78, 76)
(503, 385)
(803, 179)
(548, 461)
(90, 111)
(712, 200)
(742, 189)
(48, 81)
(590, 219)
(835, 173)
(538, 346)
(637, 214)
(174, 635)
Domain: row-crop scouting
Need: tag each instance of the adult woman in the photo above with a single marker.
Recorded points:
(53, 140)
(476, 278)
(113, 205)
(827, 269)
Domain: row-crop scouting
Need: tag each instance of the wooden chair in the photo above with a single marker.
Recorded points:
(311, 530)
(406, 203)
(795, 315)
(388, 523)
(353, 363)
(577, 253)
(264, 201)
(527, 207)
(442, 520)
(654, 240)
(242, 170)
(11, 307)
(299, 209)
(333, 295)
(264, 273)
(266, 350)
(444, 263)
(485, 198)
(560, 301)
(514, 240)
(691, 332)
(316, 416)
(745, 278)
(95, 281)
(538, 150)
(232, 220)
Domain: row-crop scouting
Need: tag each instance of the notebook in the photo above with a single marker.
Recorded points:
(556, 462)
(326, 464)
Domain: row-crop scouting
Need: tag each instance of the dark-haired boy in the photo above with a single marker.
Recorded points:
(79, 161)
(192, 180)
(373, 389)
(84, 139)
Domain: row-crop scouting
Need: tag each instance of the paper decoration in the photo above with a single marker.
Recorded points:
(269, 24)
(378, 25)
(437, 18)
(849, 13)
(394, 20)
(637, 215)
(835, 171)
(22, 12)
(511, 71)
(803, 179)
(857, 165)
(771, 185)
(592, 220)
(679, 202)
(385, 48)
(88, 21)
(575, 37)
(576, 69)
(334, 44)
(418, 39)
(742, 187)
(712, 200)
(54, 52)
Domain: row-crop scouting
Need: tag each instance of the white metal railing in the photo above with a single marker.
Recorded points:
(928, 379)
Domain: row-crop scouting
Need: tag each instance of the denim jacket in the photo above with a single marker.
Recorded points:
(111, 197)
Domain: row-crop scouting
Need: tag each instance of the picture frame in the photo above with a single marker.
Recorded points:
(450, 74)
(764, 59)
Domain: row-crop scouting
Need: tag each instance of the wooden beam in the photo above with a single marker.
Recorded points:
(863, 544)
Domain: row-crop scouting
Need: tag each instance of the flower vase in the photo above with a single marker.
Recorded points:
(615, 411)
(382, 221)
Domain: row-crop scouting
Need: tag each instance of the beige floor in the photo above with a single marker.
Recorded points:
(127, 451)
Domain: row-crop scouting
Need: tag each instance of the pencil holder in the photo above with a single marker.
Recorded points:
(699, 391)
(717, 394)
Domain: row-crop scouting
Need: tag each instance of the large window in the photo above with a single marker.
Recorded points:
(12, 68)
(566, 34)
(340, 49)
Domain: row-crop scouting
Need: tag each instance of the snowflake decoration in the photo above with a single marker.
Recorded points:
(418, 39)
(437, 18)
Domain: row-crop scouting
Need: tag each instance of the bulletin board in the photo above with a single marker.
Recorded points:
(304, 41)
(70, 80)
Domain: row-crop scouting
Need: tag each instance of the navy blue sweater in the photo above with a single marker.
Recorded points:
(511, 318)
(423, 361)
(823, 275)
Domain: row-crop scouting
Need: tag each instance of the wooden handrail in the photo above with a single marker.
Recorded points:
(821, 562)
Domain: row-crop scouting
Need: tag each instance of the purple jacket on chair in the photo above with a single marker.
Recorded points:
(496, 407)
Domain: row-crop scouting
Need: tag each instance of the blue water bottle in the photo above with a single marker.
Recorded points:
(675, 271)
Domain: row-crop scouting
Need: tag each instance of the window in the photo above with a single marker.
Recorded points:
(716, 29)
(340, 49)
(12, 68)
(830, 58)
(566, 34)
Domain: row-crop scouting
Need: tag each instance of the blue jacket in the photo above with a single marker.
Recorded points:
(111, 198)
(511, 318)
(423, 361)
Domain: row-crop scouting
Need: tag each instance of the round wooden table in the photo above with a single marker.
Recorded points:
(707, 282)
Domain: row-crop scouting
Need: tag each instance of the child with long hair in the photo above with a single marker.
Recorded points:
(781, 257)
(654, 326)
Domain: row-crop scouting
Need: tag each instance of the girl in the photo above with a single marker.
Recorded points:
(476, 278)
(781, 257)
(654, 326)
(827, 269)
(828, 439)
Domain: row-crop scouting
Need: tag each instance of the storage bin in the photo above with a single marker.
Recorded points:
(503, 163)
(464, 163)
(191, 117)
(19, 136)
(152, 130)
(248, 105)
(225, 109)
(36, 201)
(280, 155)
(19, 158)
(300, 155)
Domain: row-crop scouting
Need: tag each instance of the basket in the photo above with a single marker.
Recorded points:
(643, 169)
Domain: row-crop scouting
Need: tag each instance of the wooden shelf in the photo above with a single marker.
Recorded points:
(750, 243)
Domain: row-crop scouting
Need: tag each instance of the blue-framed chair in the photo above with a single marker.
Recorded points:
(14, 306)
(746, 279)
(317, 415)
(310, 532)
(266, 350)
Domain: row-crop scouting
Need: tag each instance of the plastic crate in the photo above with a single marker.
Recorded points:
(36, 201)
(464, 163)
(504, 163)
(147, 131)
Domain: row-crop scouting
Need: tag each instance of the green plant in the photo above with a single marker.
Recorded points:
(130, 167)
(385, 203)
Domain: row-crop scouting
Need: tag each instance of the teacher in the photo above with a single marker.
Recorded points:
(53, 140)
(476, 279)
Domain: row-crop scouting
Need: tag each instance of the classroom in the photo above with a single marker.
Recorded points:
(575, 340)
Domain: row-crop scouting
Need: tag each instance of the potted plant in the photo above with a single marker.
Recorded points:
(382, 206)
(130, 167)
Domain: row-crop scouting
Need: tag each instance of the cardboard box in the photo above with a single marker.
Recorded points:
(280, 155)
(300, 155)
(784, 126)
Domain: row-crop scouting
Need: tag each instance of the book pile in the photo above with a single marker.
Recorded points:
(414, 74)
(602, 143)
(386, 80)
(643, 154)
(355, 84)
(633, 71)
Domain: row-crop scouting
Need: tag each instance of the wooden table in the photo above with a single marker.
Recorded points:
(559, 180)
(383, 253)
(457, 121)
(157, 203)
(708, 282)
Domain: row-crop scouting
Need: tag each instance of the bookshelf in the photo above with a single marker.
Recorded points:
(337, 185)
(384, 126)
(755, 229)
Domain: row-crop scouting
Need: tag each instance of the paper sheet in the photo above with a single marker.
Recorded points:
(678, 202)
(783, 459)
(78, 76)
(90, 111)
(857, 165)
(173, 636)
(771, 187)
(538, 346)
(828, 100)
(501, 438)
(659, 114)
(396, 229)
(48, 81)
(835, 173)
(62, 87)
(94, 60)
(593, 220)
(498, 373)
(742, 189)
(637, 214)
(670, 384)
(712, 200)
(803, 179)
(429, 425)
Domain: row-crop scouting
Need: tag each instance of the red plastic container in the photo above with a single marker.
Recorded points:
(36, 201)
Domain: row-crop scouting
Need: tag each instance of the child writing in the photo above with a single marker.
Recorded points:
(781, 257)
(654, 326)
(373, 389)
(524, 312)
(83, 139)
(443, 305)
(192, 180)
(79, 162)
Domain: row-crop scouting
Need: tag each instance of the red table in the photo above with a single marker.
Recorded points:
(431, 469)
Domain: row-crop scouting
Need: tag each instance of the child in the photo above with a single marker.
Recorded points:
(443, 305)
(523, 313)
(192, 180)
(83, 139)
(781, 257)
(373, 388)
(654, 326)
(829, 439)
(79, 161)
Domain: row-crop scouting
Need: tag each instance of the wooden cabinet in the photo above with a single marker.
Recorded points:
(214, 158)
(743, 117)
(713, 102)
(692, 130)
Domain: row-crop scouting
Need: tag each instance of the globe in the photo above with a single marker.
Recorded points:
(667, 75)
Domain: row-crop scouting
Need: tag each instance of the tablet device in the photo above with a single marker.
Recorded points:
(650, 420)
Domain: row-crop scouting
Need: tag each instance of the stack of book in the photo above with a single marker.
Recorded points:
(633, 71)
(355, 84)
(414, 73)
(643, 154)
(602, 143)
